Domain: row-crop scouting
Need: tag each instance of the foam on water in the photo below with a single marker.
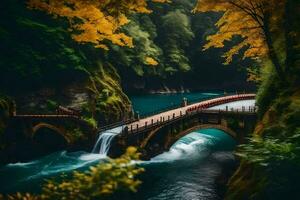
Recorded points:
(29, 176)
(104, 140)
(194, 146)
(91, 157)
(211, 94)
(189, 169)
(187, 148)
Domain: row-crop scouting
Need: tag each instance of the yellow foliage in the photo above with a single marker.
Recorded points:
(254, 75)
(244, 18)
(95, 21)
(20, 196)
(151, 61)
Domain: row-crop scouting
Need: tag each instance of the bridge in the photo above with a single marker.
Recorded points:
(45, 133)
(32, 135)
(153, 134)
(56, 122)
(157, 133)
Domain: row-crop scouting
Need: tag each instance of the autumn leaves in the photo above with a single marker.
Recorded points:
(99, 21)
(96, 21)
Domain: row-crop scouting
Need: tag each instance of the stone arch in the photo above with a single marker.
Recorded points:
(225, 129)
(183, 133)
(54, 129)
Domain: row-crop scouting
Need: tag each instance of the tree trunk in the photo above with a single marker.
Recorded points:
(272, 53)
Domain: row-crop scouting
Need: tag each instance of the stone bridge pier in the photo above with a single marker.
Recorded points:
(158, 138)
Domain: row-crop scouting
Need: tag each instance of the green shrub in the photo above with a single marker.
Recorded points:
(91, 121)
(269, 151)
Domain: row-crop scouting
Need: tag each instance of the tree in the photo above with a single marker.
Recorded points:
(255, 21)
(95, 21)
(177, 35)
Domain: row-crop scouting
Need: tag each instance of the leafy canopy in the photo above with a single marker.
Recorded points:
(247, 19)
(95, 21)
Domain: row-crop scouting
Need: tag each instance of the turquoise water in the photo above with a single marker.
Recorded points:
(146, 104)
(30, 176)
(187, 171)
(190, 169)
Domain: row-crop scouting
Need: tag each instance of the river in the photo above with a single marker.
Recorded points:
(188, 171)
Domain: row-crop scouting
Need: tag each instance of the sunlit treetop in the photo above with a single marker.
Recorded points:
(249, 19)
(95, 21)
(151, 61)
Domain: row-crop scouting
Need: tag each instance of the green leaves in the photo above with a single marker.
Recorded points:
(177, 34)
(269, 151)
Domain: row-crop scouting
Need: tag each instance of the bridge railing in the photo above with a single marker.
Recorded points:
(135, 129)
(45, 116)
(115, 125)
(73, 117)
(221, 100)
(126, 122)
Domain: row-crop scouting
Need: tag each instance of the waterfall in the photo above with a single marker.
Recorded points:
(104, 140)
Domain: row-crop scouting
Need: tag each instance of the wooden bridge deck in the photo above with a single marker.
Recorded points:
(183, 111)
(157, 119)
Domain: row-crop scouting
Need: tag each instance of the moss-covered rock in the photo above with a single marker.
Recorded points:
(107, 103)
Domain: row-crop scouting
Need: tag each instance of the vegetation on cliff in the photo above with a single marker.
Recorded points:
(50, 64)
(106, 94)
(41, 68)
(269, 33)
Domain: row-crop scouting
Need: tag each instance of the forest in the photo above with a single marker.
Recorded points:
(91, 57)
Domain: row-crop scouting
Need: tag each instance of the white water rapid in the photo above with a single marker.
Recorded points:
(105, 138)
